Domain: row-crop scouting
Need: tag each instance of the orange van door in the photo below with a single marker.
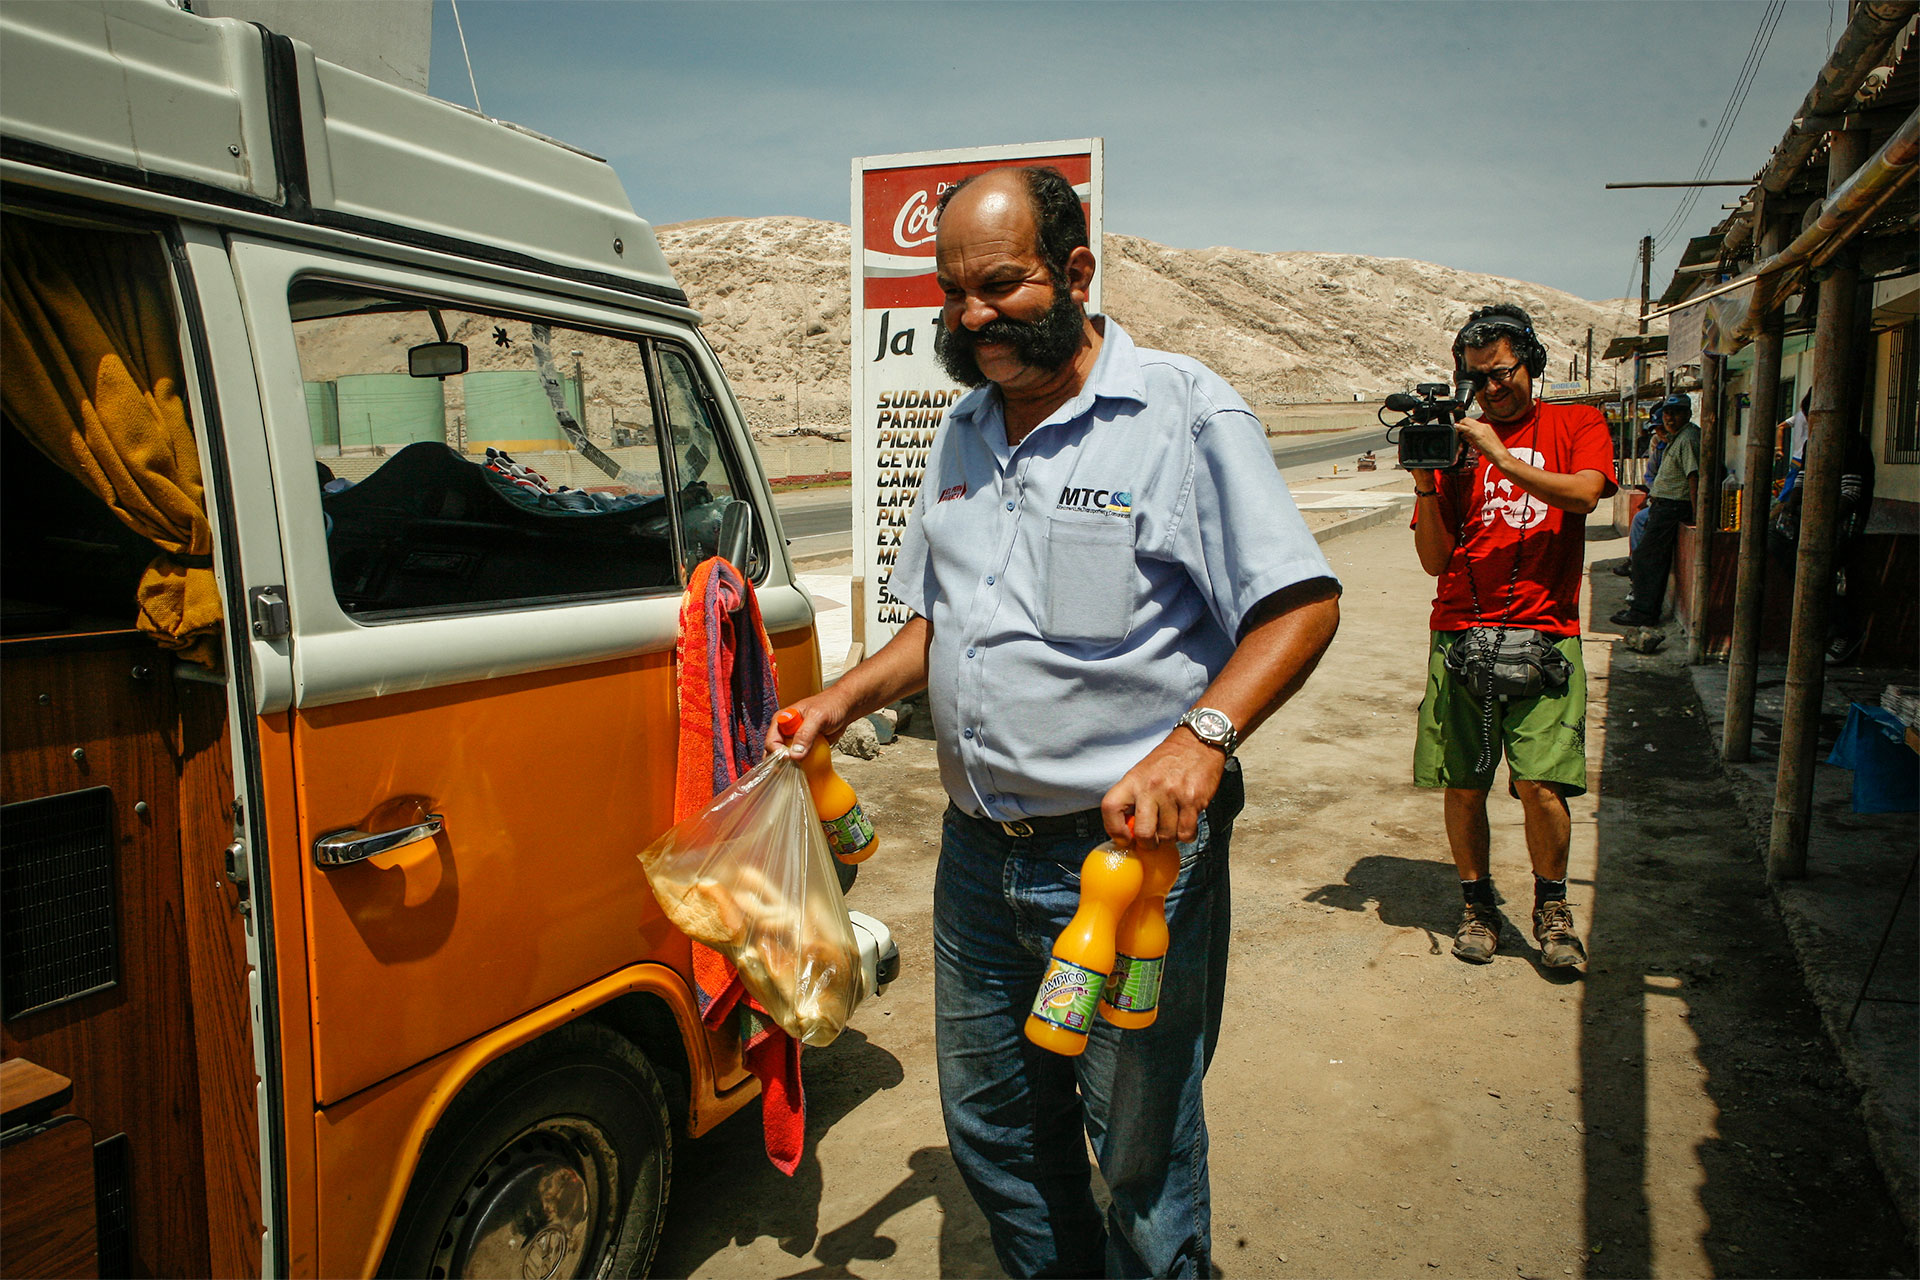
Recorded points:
(488, 511)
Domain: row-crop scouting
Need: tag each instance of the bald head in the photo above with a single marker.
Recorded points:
(1035, 201)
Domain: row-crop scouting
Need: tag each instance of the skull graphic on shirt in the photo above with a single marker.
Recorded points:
(1503, 498)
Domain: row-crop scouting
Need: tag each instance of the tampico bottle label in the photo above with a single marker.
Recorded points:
(1135, 984)
(1068, 995)
(849, 833)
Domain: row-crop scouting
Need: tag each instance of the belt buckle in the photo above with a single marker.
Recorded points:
(1018, 829)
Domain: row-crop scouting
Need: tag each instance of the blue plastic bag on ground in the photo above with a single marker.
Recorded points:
(1886, 772)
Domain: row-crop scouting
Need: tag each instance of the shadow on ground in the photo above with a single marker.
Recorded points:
(1693, 973)
(729, 1166)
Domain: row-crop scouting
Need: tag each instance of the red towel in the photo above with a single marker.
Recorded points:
(727, 700)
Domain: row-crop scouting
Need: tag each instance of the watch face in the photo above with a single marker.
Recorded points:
(1211, 725)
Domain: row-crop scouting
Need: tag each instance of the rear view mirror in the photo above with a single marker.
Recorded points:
(437, 359)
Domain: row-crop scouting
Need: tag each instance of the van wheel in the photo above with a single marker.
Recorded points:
(554, 1162)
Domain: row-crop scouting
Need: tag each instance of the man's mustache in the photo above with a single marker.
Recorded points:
(1002, 330)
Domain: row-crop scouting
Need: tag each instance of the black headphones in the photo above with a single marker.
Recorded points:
(1503, 319)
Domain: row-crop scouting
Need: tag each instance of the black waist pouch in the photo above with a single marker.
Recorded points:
(1507, 662)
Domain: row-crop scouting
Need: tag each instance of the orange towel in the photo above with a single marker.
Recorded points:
(727, 700)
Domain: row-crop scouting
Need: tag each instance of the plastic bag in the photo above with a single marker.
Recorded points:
(751, 877)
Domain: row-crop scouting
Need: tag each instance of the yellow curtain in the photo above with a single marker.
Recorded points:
(92, 377)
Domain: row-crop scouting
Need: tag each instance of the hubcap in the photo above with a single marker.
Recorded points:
(542, 1208)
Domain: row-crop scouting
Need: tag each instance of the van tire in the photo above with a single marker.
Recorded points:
(581, 1112)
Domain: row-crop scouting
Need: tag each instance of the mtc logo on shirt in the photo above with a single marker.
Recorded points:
(1113, 502)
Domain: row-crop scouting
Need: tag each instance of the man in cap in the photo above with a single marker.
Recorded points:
(1671, 499)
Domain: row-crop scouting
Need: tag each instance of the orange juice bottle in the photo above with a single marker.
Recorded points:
(1083, 954)
(849, 834)
(1132, 994)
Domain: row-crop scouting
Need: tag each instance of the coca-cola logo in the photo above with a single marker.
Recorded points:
(917, 220)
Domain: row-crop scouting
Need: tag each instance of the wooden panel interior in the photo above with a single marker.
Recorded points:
(29, 1092)
(165, 1054)
(217, 961)
(46, 1217)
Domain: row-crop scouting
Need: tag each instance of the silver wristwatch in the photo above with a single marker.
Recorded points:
(1213, 728)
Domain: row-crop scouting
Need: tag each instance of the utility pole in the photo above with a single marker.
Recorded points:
(1627, 449)
(1589, 359)
(1646, 278)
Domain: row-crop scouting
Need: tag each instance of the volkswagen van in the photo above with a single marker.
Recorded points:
(357, 449)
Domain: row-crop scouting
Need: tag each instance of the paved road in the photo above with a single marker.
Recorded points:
(821, 520)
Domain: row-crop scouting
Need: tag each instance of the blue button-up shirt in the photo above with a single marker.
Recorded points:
(1087, 586)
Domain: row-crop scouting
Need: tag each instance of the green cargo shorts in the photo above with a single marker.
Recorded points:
(1544, 737)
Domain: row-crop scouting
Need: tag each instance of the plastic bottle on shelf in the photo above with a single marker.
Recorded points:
(850, 835)
(1131, 998)
(1083, 954)
(1730, 502)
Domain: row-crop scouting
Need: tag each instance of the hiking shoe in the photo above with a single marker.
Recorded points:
(1478, 936)
(1553, 930)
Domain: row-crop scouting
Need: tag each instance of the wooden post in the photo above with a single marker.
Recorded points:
(1706, 512)
(1749, 592)
(1828, 424)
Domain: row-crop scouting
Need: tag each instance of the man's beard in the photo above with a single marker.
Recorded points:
(1046, 343)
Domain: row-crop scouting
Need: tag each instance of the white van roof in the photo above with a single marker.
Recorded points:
(228, 113)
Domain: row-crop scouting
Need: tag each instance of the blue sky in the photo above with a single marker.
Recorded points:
(1474, 134)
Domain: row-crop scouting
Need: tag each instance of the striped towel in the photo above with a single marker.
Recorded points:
(727, 700)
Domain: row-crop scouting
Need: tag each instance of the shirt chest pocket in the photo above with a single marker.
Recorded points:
(1091, 581)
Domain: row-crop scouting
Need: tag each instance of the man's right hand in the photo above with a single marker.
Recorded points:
(899, 669)
(822, 715)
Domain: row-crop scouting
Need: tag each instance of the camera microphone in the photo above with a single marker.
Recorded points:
(1403, 402)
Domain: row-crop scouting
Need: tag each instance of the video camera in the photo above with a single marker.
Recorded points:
(1426, 438)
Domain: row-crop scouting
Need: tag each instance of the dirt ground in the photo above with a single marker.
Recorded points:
(1378, 1108)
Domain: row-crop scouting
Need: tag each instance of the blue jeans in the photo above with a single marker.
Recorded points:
(1016, 1113)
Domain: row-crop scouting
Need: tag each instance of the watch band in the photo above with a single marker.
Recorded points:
(1213, 727)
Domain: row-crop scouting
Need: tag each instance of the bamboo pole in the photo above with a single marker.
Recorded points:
(1749, 592)
(1828, 424)
(1706, 511)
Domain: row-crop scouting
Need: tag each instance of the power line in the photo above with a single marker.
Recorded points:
(1743, 83)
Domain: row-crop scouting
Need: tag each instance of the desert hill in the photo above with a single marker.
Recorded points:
(1281, 327)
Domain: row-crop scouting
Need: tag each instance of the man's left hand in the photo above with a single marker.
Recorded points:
(1166, 792)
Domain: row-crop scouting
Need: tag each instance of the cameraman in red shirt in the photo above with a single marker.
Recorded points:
(1505, 535)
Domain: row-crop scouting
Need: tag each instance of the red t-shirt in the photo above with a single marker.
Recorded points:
(1501, 524)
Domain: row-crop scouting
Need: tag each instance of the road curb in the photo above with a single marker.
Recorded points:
(1365, 520)
(815, 559)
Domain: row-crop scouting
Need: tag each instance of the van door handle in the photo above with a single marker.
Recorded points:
(344, 847)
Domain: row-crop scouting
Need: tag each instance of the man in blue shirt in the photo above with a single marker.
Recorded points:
(1111, 588)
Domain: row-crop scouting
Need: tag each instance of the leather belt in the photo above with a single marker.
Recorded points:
(1087, 822)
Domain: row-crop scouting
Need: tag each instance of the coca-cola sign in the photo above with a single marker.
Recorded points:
(900, 393)
(913, 225)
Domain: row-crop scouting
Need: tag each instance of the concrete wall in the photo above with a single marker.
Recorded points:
(781, 458)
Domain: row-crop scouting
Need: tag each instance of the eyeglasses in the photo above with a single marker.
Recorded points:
(1497, 374)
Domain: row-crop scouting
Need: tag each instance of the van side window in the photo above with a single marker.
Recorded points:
(474, 461)
(707, 485)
